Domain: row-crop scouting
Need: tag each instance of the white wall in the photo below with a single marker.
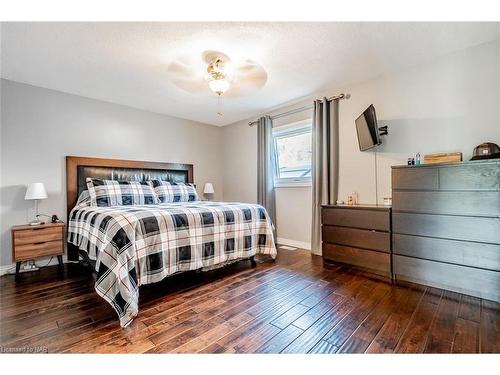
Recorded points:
(39, 127)
(448, 105)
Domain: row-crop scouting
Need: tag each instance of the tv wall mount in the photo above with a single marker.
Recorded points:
(383, 130)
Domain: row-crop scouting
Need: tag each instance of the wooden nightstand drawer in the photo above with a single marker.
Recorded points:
(36, 235)
(38, 250)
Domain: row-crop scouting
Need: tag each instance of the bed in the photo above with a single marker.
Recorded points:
(133, 245)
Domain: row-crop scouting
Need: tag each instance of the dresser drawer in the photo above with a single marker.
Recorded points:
(374, 261)
(474, 254)
(357, 218)
(465, 228)
(366, 239)
(36, 235)
(38, 250)
(471, 203)
(470, 177)
(484, 176)
(415, 178)
(468, 280)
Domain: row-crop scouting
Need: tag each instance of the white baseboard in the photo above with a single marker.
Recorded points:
(4, 270)
(300, 244)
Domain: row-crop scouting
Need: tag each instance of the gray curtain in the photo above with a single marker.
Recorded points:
(265, 167)
(325, 163)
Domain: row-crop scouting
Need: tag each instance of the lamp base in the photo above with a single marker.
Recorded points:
(36, 222)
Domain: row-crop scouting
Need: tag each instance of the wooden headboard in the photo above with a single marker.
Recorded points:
(79, 168)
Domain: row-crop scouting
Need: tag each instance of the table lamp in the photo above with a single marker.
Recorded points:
(36, 191)
(208, 191)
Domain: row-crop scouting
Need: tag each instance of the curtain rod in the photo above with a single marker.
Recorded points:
(305, 108)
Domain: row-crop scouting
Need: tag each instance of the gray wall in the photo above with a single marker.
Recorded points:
(39, 127)
(448, 105)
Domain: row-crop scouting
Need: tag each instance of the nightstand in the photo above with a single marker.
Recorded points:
(31, 242)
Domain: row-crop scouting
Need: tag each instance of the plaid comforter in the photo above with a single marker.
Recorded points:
(135, 245)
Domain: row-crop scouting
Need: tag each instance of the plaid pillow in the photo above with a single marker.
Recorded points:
(168, 192)
(107, 193)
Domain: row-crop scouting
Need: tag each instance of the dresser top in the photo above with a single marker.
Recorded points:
(46, 225)
(380, 207)
(458, 164)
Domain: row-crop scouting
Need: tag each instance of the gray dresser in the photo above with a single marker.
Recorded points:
(446, 226)
(359, 236)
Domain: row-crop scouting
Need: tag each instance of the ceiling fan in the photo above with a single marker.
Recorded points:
(214, 72)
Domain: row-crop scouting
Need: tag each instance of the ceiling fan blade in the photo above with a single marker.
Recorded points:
(187, 74)
(179, 67)
(248, 78)
(193, 86)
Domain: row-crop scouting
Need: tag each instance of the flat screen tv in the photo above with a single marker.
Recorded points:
(367, 129)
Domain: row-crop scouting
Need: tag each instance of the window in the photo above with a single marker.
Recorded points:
(293, 150)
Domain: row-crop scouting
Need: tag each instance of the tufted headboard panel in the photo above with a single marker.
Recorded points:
(127, 174)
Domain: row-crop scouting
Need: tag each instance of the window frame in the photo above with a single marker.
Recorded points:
(291, 129)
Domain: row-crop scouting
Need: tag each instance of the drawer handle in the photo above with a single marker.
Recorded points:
(39, 243)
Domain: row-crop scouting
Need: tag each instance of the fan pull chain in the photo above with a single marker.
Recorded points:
(219, 105)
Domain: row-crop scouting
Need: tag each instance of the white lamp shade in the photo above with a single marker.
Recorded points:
(36, 190)
(209, 188)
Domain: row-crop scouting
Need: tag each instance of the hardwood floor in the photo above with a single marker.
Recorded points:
(294, 305)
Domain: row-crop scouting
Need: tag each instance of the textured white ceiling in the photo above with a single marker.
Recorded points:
(126, 63)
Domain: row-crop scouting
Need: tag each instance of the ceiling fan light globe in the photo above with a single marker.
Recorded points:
(219, 86)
